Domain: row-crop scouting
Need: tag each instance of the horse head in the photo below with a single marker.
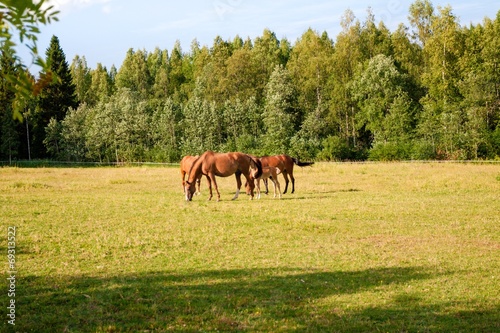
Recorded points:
(189, 189)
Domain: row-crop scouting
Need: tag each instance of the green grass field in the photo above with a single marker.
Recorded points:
(357, 248)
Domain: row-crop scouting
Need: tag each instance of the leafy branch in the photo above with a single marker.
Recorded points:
(21, 19)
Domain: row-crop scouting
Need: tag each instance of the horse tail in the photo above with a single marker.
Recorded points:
(258, 165)
(301, 164)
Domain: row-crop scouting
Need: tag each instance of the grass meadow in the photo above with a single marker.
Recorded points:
(382, 247)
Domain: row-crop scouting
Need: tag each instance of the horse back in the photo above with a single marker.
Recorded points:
(187, 162)
(269, 171)
(278, 161)
(224, 164)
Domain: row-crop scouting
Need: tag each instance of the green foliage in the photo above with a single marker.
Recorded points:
(55, 97)
(9, 138)
(82, 79)
(102, 85)
(421, 92)
(280, 114)
(385, 107)
(335, 149)
(422, 150)
(52, 139)
(304, 149)
(495, 142)
(165, 132)
(74, 133)
(390, 151)
(243, 124)
(201, 127)
(310, 66)
(134, 73)
(23, 17)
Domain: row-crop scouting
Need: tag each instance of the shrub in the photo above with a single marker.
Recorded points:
(390, 151)
(423, 150)
(335, 149)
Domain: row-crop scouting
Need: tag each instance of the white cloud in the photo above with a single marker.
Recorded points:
(106, 9)
(68, 6)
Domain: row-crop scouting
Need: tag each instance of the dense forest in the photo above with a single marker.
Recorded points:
(428, 91)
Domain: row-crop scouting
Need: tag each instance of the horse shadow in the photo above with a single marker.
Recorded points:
(324, 194)
(285, 299)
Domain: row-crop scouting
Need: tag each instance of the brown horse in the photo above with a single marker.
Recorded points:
(221, 165)
(186, 164)
(285, 164)
(267, 172)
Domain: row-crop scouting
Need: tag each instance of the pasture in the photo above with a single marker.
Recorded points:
(390, 247)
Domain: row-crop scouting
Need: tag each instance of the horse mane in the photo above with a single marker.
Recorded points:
(196, 163)
(258, 164)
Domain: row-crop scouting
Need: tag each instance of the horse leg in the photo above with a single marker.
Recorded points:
(285, 175)
(279, 189)
(212, 178)
(183, 175)
(265, 183)
(198, 181)
(293, 182)
(258, 188)
(238, 186)
(274, 183)
(209, 183)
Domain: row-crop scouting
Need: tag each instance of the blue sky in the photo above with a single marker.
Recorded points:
(103, 30)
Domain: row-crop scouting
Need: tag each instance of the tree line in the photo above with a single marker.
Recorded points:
(428, 91)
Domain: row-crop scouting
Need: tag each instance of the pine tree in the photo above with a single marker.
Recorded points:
(55, 98)
(9, 139)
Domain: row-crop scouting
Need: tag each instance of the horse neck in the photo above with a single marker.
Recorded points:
(195, 170)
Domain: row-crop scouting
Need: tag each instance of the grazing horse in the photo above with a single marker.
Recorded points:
(222, 165)
(267, 172)
(186, 164)
(285, 164)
